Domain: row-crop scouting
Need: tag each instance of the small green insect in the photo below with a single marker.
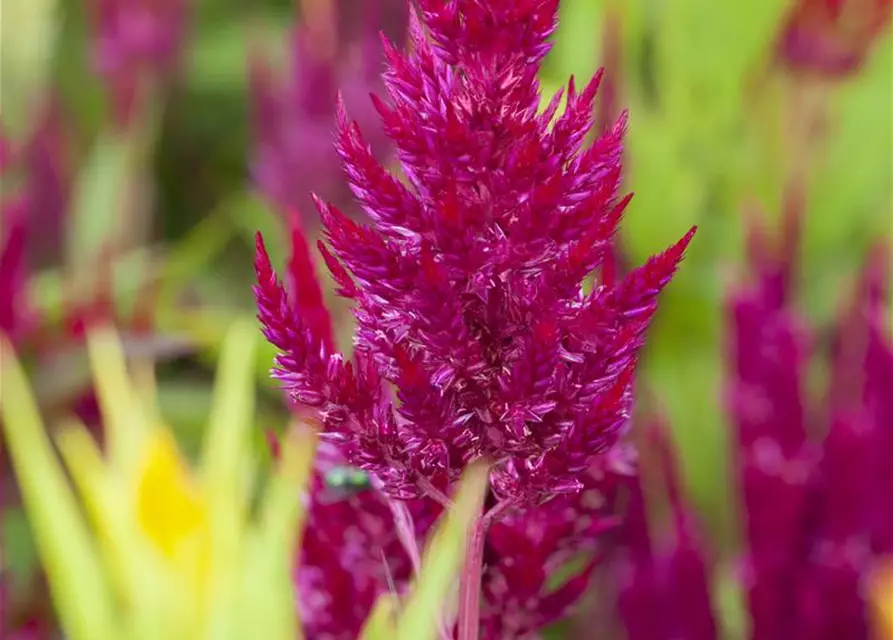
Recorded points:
(343, 482)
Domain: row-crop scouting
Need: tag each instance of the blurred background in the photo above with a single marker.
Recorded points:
(144, 142)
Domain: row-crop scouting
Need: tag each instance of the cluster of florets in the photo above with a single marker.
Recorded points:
(469, 287)
(816, 486)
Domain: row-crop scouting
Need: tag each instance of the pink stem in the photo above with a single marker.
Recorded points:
(470, 580)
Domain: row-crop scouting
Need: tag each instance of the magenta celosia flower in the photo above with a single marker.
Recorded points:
(663, 582)
(14, 317)
(332, 45)
(43, 197)
(538, 560)
(32, 216)
(814, 476)
(810, 543)
(136, 44)
(831, 37)
(468, 287)
(351, 553)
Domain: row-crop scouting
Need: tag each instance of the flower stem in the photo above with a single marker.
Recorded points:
(470, 580)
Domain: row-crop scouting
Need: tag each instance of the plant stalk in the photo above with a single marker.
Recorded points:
(469, 622)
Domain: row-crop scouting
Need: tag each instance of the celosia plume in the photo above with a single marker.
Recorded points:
(666, 575)
(831, 37)
(136, 45)
(468, 285)
(332, 44)
(815, 480)
(810, 543)
(528, 549)
(351, 553)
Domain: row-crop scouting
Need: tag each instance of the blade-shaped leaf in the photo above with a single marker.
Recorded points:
(66, 550)
(443, 558)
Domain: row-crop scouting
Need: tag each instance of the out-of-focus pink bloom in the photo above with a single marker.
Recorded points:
(810, 540)
(334, 45)
(815, 476)
(136, 44)
(32, 218)
(831, 38)
(15, 320)
(45, 186)
(663, 580)
(33, 223)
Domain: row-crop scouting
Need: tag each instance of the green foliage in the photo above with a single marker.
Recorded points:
(107, 576)
(28, 30)
(707, 118)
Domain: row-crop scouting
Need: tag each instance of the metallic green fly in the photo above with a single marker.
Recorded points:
(343, 482)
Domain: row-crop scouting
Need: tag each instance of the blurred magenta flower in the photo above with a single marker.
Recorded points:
(32, 216)
(34, 219)
(31, 620)
(15, 319)
(44, 172)
(468, 287)
(136, 45)
(333, 45)
(811, 541)
(667, 576)
(831, 37)
(814, 474)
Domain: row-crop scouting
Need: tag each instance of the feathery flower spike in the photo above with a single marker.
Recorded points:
(467, 286)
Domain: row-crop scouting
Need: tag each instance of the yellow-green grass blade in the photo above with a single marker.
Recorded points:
(443, 559)
(124, 422)
(227, 467)
(69, 557)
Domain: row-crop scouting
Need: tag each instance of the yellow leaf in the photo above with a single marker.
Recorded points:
(169, 505)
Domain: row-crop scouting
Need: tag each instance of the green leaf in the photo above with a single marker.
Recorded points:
(65, 374)
(271, 612)
(194, 253)
(50, 290)
(217, 59)
(443, 558)
(577, 49)
(67, 552)
(382, 622)
(253, 214)
(28, 30)
(100, 197)
(226, 462)
(19, 555)
(731, 603)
